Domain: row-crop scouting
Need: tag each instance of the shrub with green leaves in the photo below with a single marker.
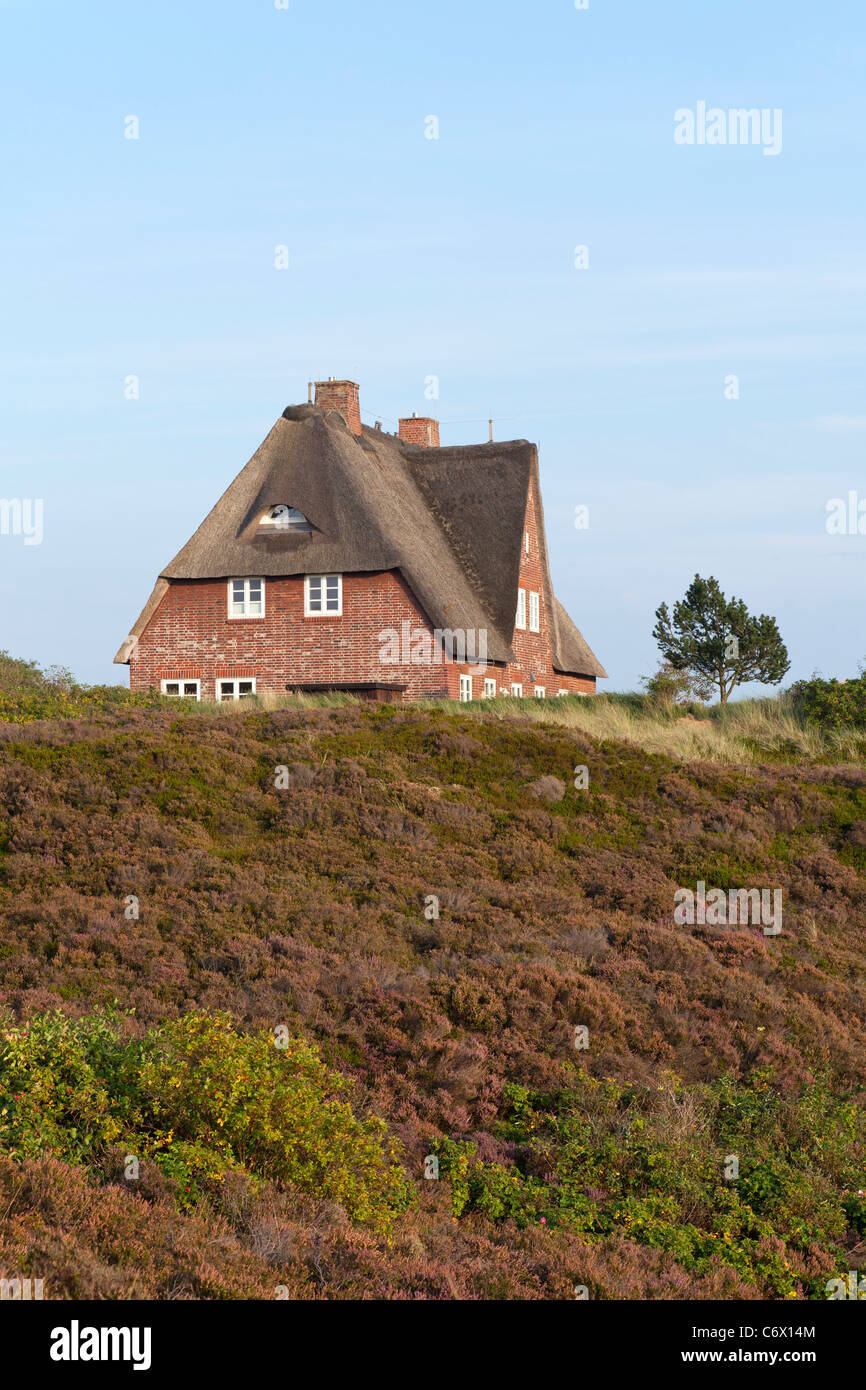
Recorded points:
(602, 1158)
(28, 693)
(274, 1111)
(831, 704)
(200, 1099)
(67, 1086)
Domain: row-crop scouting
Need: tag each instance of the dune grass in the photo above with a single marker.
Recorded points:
(743, 732)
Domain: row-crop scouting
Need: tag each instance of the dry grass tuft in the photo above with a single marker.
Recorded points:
(747, 732)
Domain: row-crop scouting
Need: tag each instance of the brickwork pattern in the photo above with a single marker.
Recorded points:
(343, 396)
(192, 637)
(420, 429)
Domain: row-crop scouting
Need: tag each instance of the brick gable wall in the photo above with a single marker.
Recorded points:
(532, 665)
(191, 635)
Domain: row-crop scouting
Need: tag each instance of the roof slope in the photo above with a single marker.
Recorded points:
(572, 653)
(451, 520)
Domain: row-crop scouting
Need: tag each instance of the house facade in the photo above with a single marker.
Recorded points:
(347, 558)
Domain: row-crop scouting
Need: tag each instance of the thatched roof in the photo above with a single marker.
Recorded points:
(450, 520)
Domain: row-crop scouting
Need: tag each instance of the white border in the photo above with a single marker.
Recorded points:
(248, 617)
(235, 681)
(332, 613)
(181, 680)
(521, 610)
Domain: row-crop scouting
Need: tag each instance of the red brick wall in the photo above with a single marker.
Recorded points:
(532, 649)
(191, 636)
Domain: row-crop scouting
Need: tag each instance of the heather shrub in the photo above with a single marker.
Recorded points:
(305, 907)
(475, 1005)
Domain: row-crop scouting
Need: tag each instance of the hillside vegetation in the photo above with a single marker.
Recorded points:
(237, 977)
(816, 721)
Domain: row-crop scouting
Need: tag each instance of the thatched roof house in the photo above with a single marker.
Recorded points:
(390, 532)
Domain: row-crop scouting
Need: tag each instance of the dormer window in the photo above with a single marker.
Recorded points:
(286, 518)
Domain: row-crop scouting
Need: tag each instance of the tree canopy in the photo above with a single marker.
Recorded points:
(718, 640)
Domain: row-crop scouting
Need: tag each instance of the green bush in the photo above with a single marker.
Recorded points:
(200, 1099)
(66, 1086)
(596, 1159)
(273, 1111)
(669, 687)
(831, 704)
(28, 693)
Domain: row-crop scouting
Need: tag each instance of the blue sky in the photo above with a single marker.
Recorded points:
(409, 257)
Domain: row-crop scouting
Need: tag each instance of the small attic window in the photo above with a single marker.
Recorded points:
(286, 518)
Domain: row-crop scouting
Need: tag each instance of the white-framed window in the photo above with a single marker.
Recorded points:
(563, 692)
(540, 692)
(517, 690)
(182, 690)
(246, 598)
(534, 613)
(489, 689)
(285, 518)
(520, 620)
(231, 689)
(465, 688)
(323, 596)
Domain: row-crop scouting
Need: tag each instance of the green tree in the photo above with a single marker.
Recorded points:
(717, 639)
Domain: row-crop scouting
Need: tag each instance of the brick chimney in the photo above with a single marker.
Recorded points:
(420, 429)
(342, 396)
